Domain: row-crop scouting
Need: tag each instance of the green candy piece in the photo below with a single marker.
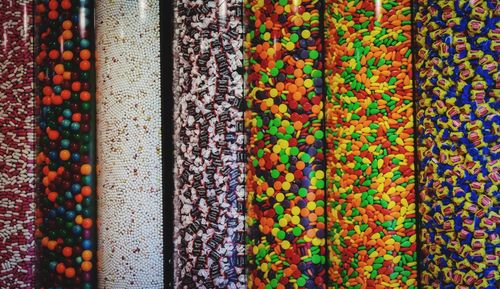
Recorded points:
(316, 259)
(264, 78)
(262, 28)
(303, 192)
(260, 153)
(279, 209)
(313, 54)
(301, 281)
(260, 135)
(308, 69)
(319, 134)
(274, 71)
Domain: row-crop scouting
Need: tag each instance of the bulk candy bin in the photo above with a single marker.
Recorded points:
(17, 145)
(457, 91)
(209, 245)
(64, 93)
(370, 154)
(285, 170)
(129, 151)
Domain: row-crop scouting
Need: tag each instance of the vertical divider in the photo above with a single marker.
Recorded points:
(167, 31)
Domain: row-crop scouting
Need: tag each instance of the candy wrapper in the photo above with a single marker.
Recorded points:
(370, 154)
(457, 84)
(64, 93)
(209, 245)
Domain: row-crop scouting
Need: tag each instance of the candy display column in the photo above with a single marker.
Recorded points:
(209, 249)
(285, 175)
(64, 92)
(17, 145)
(129, 145)
(369, 128)
(458, 117)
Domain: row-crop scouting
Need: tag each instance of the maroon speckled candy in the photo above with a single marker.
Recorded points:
(17, 152)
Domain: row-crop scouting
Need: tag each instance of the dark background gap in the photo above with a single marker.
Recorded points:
(167, 104)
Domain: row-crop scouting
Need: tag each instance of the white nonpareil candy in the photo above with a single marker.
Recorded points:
(128, 92)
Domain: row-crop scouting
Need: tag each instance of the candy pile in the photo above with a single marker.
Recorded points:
(128, 117)
(369, 128)
(64, 94)
(209, 245)
(458, 120)
(17, 146)
(285, 175)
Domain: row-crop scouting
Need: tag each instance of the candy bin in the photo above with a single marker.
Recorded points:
(209, 245)
(129, 150)
(17, 145)
(372, 239)
(458, 98)
(65, 193)
(286, 225)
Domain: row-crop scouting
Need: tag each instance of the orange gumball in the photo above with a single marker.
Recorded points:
(87, 255)
(70, 272)
(60, 268)
(85, 65)
(85, 169)
(87, 223)
(86, 266)
(67, 251)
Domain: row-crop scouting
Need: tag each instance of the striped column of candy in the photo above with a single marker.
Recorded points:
(457, 83)
(285, 171)
(17, 145)
(129, 189)
(64, 91)
(370, 153)
(209, 245)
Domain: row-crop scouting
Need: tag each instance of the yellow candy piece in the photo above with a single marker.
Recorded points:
(285, 244)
